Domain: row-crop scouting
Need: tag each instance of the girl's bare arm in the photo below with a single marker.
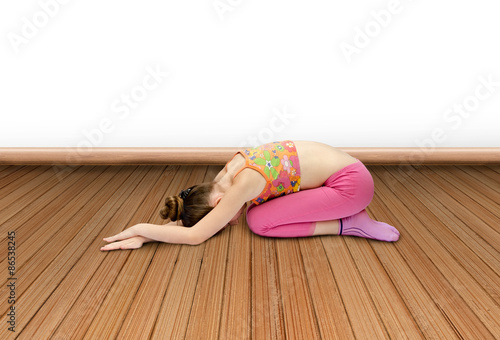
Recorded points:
(135, 236)
(215, 220)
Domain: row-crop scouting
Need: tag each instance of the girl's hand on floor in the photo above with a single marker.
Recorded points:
(127, 239)
(129, 243)
(127, 233)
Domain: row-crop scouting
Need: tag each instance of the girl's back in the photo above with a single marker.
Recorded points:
(318, 161)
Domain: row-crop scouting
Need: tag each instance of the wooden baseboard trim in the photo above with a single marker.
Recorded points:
(220, 155)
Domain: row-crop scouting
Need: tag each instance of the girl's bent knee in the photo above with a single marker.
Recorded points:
(255, 224)
(258, 230)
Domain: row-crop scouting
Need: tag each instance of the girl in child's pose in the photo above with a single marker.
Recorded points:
(297, 188)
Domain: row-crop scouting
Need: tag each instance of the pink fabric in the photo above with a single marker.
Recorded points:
(345, 193)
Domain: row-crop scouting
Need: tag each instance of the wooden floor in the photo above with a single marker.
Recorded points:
(439, 281)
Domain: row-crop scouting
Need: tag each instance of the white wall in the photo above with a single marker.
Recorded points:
(242, 72)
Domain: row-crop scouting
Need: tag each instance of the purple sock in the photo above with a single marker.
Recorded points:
(362, 225)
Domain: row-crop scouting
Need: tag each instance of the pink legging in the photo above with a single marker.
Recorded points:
(345, 193)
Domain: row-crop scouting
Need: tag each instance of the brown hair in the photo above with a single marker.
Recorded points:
(192, 208)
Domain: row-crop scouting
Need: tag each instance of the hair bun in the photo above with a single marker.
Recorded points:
(172, 209)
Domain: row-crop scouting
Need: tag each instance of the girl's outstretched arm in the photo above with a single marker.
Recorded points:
(135, 236)
(215, 220)
(128, 243)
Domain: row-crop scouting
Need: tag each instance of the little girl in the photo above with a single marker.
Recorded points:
(297, 189)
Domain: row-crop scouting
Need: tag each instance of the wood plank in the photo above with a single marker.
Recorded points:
(175, 309)
(432, 323)
(139, 322)
(77, 277)
(61, 156)
(109, 319)
(440, 280)
(29, 201)
(35, 252)
(28, 265)
(482, 174)
(483, 220)
(480, 262)
(34, 231)
(63, 251)
(489, 198)
(173, 316)
(327, 302)
(142, 314)
(129, 279)
(389, 304)
(267, 309)
(363, 316)
(22, 181)
(8, 170)
(434, 183)
(486, 171)
(466, 304)
(489, 179)
(300, 320)
(204, 320)
(13, 176)
(494, 167)
(236, 305)
(490, 186)
(43, 207)
(76, 322)
(132, 212)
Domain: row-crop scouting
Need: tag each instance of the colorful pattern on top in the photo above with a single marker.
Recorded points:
(278, 162)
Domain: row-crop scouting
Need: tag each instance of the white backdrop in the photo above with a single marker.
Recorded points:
(244, 72)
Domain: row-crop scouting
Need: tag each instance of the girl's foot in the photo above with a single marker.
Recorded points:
(362, 225)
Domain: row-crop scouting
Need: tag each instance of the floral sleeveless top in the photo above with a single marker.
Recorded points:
(278, 162)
